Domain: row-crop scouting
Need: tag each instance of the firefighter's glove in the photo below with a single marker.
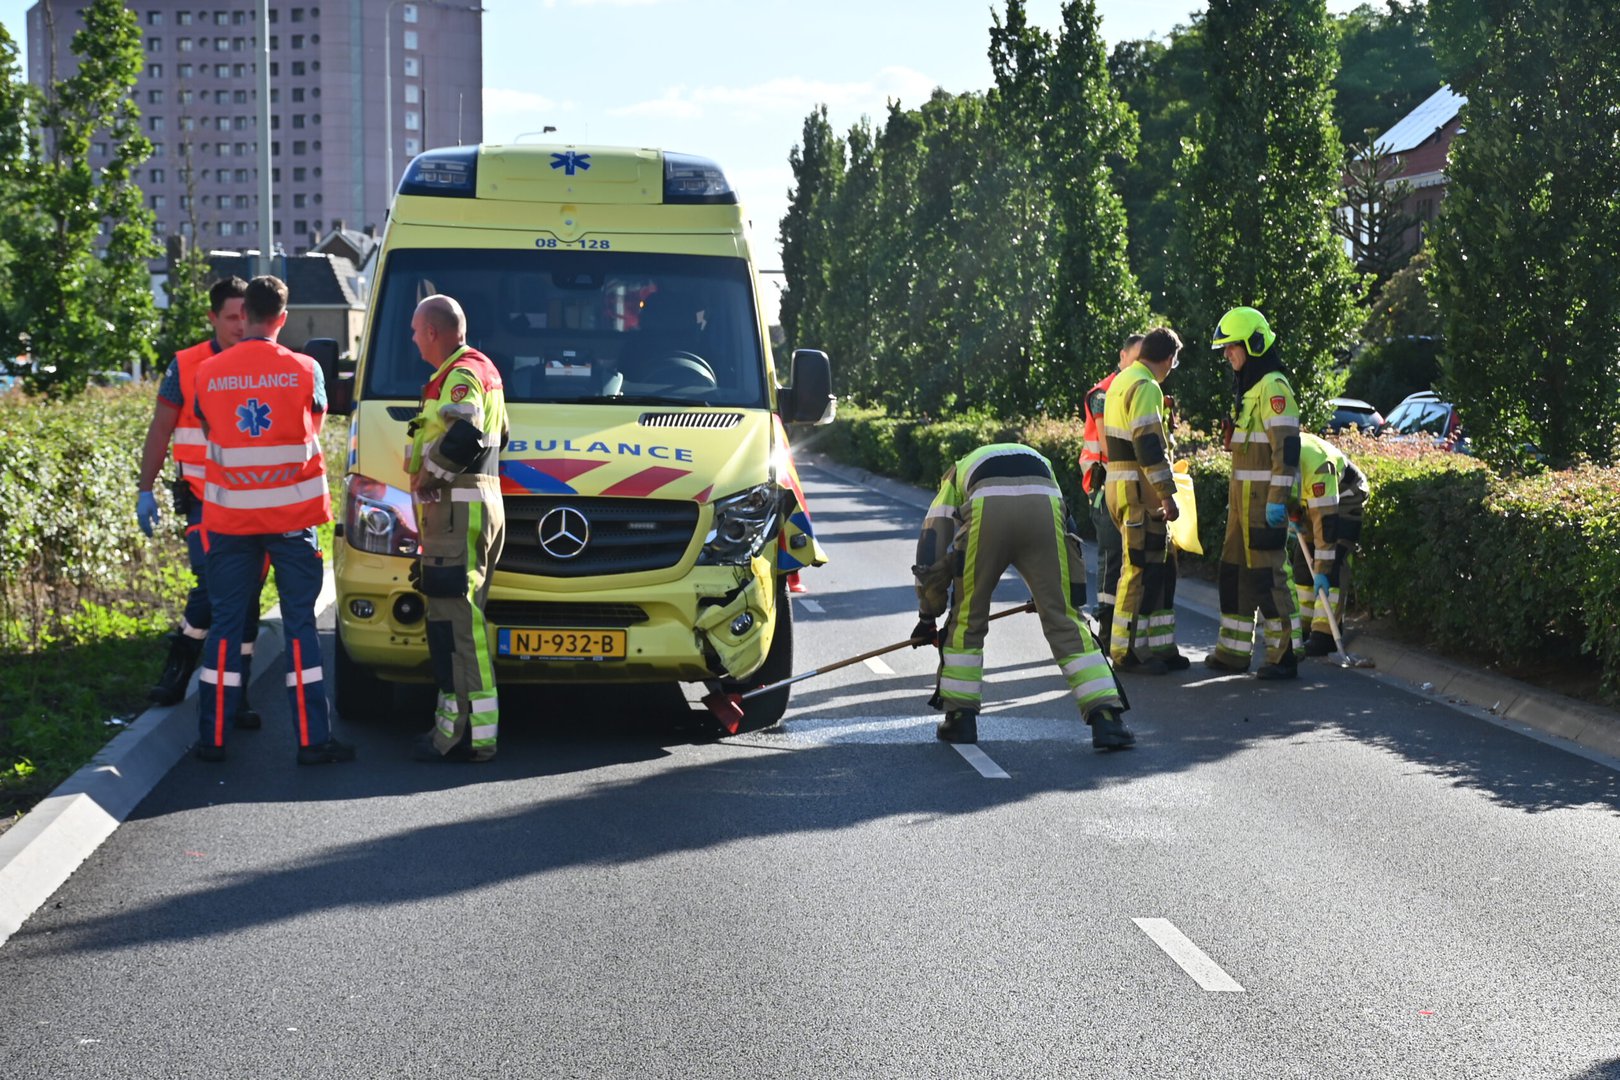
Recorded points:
(414, 575)
(925, 633)
(1323, 586)
(1276, 514)
(146, 511)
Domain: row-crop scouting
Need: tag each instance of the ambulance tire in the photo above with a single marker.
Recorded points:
(361, 697)
(767, 709)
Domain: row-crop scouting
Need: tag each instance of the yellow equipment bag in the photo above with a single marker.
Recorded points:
(1184, 530)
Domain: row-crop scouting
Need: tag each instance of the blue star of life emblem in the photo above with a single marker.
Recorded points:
(569, 162)
(253, 418)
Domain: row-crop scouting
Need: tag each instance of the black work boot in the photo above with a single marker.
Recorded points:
(1108, 730)
(325, 753)
(246, 718)
(208, 752)
(1318, 644)
(1153, 665)
(1174, 660)
(1286, 668)
(424, 749)
(183, 655)
(959, 726)
(1215, 663)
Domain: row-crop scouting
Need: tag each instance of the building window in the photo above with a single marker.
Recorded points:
(154, 123)
(239, 71)
(154, 44)
(410, 13)
(154, 71)
(300, 147)
(413, 66)
(185, 73)
(222, 18)
(300, 227)
(275, 69)
(240, 97)
(183, 18)
(297, 67)
(184, 96)
(154, 18)
(242, 176)
(413, 121)
(222, 44)
(275, 42)
(298, 120)
(239, 44)
(299, 172)
(410, 39)
(156, 175)
(275, 122)
(101, 149)
(298, 41)
(298, 93)
(185, 202)
(154, 97)
(297, 14)
(159, 202)
(242, 149)
(238, 18)
(275, 202)
(240, 123)
(413, 93)
(157, 149)
(275, 95)
(243, 202)
(225, 228)
(300, 200)
(222, 71)
(413, 147)
(184, 44)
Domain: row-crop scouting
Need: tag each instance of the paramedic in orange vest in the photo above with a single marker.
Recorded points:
(1093, 466)
(174, 418)
(261, 406)
(455, 468)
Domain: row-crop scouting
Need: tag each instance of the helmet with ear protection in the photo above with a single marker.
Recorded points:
(1246, 325)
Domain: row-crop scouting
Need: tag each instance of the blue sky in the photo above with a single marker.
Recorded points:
(734, 79)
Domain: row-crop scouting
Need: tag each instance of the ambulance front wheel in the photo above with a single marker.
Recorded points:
(767, 709)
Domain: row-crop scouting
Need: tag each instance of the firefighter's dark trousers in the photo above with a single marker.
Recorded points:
(462, 536)
(1027, 533)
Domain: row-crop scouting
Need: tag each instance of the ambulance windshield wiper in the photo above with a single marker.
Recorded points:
(633, 399)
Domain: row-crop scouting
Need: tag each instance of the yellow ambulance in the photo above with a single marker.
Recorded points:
(653, 513)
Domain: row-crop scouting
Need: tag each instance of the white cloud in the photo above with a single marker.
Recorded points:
(791, 94)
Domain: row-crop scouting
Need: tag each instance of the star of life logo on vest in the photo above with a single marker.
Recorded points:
(253, 417)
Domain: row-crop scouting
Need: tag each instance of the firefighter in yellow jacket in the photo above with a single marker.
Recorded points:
(1328, 502)
(1265, 468)
(1001, 506)
(1141, 493)
(456, 442)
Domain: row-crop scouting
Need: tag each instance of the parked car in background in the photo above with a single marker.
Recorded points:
(1351, 412)
(1424, 415)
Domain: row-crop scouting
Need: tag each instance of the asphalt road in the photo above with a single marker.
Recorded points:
(1333, 878)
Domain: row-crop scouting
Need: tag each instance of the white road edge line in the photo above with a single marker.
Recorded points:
(878, 666)
(811, 605)
(981, 761)
(1193, 960)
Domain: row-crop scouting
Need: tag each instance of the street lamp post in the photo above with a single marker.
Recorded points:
(388, 80)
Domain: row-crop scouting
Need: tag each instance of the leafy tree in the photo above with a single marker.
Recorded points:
(818, 166)
(852, 214)
(16, 143)
(1259, 184)
(185, 321)
(1373, 222)
(1404, 307)
(1527, 246)
(81, 308)
(1387, 66)
(1095, 298)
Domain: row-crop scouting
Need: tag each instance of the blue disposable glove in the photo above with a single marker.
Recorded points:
(1323, 586)
(1276, 514)
(146, 511)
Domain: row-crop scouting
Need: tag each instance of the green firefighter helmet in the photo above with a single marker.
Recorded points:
(1245, 325)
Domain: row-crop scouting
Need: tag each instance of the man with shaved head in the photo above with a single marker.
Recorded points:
(456, 442)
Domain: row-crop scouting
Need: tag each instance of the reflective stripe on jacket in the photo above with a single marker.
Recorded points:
(265, 473)
(190, 444)
(459, 429)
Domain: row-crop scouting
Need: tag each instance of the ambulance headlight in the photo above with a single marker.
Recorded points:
(378, 518)
(742, 524)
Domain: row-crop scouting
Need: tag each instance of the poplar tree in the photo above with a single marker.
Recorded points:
(806, 231)
(1527, 246)
(1258, 187)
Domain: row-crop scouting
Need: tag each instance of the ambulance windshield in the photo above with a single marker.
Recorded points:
(581, 326)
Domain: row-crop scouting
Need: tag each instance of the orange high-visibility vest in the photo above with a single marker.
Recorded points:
(190, 444)
(1094, 454)
(265, 473)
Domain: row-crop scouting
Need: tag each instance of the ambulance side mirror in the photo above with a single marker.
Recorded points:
(809, 398)
(339, 384)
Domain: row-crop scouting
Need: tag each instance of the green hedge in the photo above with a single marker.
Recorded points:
(1510, 571)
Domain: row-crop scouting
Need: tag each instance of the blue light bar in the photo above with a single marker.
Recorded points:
(449, 172)
(690, 179)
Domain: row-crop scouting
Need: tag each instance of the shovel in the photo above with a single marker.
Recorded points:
(727, 708)
(1345, 659)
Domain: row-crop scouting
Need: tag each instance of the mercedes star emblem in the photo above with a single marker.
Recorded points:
(564, 532)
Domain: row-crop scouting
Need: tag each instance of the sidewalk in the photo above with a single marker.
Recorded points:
(1558, 719)
(42, 850)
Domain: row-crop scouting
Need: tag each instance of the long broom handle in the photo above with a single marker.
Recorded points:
(825, 668)
(1327, 601)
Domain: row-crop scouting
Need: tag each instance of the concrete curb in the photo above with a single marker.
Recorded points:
(42, 850)
(1415, 670)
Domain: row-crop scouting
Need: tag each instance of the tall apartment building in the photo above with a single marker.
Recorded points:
(198, 97)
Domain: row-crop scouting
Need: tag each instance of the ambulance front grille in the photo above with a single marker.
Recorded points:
(627, 536)
(712, 420)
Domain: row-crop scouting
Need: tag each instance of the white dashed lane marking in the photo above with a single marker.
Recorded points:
(811, 605)
(878, 666)
(981, 761)
(1193, 960)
